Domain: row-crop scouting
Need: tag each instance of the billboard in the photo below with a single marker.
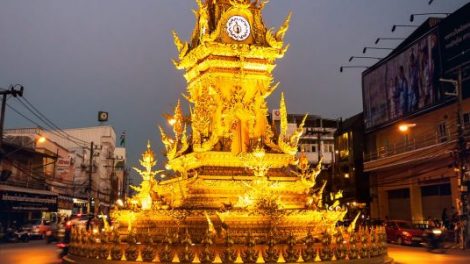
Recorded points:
(455, 47)
(455, 38)
(403, 84)
(64, 169)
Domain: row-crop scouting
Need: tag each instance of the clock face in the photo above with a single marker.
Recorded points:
(238, 28)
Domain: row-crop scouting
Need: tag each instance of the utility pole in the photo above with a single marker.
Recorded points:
(463, 161)
(462, 157)
(112, 179)
(90, 174)
(12, 91)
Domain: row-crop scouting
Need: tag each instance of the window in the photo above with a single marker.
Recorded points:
(399, 194)
(306, 148)
(343, 145)
(466, 118)
(442, 132)
(314, 148)
(439, 189)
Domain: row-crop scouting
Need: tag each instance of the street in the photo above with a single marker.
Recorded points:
(411, 255)
(38, 252)
(34, 252)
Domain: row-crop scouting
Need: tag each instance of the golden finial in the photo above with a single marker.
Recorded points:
(148, 157)
(283, 29)
(283, 113)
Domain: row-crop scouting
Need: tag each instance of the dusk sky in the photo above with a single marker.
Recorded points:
(75, 58)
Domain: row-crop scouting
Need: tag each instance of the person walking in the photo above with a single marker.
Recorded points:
(445, 218)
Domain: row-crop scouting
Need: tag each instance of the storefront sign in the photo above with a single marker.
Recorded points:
(64, 168)
(23, 201)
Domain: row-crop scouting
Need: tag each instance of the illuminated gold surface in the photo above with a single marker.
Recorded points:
(234, 181)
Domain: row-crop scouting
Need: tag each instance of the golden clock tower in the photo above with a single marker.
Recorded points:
(235, 183)
(229, 62)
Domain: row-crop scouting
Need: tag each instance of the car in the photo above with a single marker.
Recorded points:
(403, 232)
(37, 228)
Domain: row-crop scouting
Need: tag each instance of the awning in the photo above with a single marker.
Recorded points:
(10, 188)
(13, 198)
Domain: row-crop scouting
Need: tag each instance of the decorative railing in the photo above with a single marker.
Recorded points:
(365, 244)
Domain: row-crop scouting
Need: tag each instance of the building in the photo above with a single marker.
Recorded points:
(24, 193)
(412, 148)
(92, 169)
(350, 176)
(317, 141)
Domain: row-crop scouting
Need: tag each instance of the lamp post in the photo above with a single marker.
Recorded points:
(461, 150)
(379, 39)
(364, 50)
(363, 57)
(412, 16)
(394, 27)
(342, 67)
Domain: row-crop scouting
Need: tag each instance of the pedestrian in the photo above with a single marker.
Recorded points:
(89, 222)
(445, 218)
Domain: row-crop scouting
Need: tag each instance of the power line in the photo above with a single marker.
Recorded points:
(50, 122)
(50, 125)
(45, 129)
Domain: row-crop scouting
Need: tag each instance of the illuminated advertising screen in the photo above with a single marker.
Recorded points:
(403, 84)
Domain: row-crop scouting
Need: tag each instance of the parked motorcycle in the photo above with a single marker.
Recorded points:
(16, 235)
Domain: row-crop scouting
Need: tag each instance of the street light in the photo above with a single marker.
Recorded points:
(363, 57)
(405, 127)
(37, 139)
(41, 140)
(412, 16)
(364, 50)
(394, 27)
(354, 66)
(379, 39)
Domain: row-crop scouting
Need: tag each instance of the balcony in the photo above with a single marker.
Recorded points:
(423, 146)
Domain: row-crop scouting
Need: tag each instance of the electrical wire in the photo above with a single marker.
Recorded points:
(45, 129)
(47, 120)
(53, 127)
